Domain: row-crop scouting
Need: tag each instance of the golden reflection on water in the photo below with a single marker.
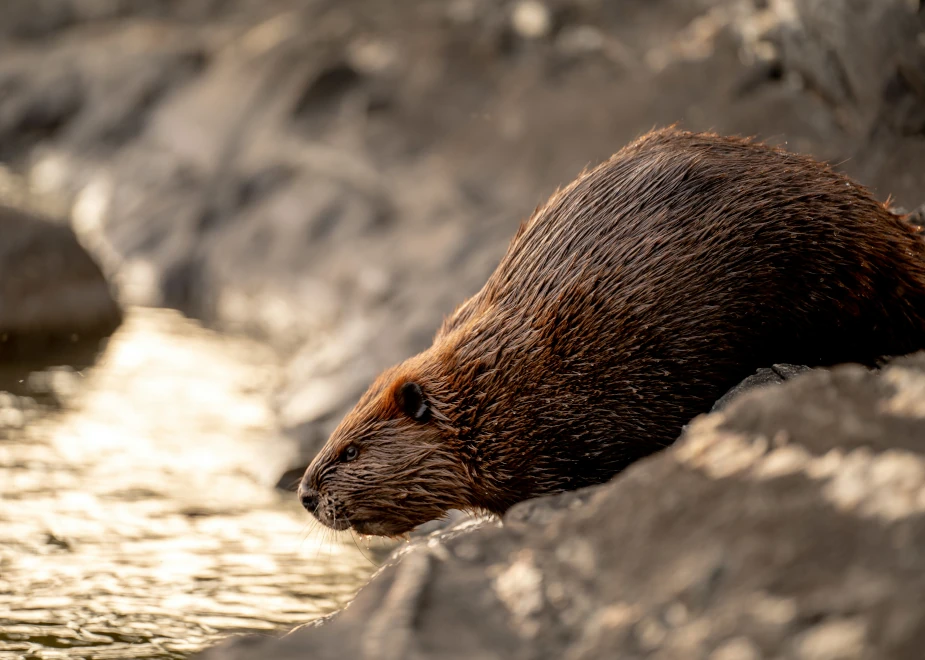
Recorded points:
(140, 521)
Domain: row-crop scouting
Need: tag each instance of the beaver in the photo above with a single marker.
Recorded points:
(625, 305)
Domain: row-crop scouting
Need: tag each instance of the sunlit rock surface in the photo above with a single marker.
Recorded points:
(792, 525)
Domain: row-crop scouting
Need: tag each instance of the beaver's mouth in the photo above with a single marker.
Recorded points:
(331, 520)
(364, 527)
(338, 524)
(379, 528)
(336, 518)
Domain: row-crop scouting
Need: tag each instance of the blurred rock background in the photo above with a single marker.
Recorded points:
(334, 176)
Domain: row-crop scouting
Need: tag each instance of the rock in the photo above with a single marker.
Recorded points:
(52, 293)
(847, 54)
(864, 62)
(775, 375)
(792, 524)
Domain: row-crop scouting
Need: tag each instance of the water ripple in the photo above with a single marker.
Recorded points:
(140, 521)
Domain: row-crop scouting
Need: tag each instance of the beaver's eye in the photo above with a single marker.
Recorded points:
(350, 454)
(410, 399)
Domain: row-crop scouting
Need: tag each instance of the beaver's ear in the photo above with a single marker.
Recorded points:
(410, 400)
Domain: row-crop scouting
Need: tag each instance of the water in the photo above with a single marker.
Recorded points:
(139, 520)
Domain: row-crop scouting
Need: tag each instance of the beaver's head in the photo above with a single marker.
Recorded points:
(393, 463)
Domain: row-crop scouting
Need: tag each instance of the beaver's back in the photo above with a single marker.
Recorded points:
(640, 293)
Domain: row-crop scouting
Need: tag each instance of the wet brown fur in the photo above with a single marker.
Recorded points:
(626, 305)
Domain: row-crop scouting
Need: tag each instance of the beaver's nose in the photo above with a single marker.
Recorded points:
(310, 499)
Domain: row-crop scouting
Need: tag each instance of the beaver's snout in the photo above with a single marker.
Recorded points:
(326, 510)
(311, 499)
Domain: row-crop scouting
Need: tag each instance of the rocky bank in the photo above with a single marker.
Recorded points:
(791, 525)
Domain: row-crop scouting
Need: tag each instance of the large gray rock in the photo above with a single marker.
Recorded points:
(792, 525)
(52, 292)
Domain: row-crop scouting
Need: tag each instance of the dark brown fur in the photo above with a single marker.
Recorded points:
(624, 307)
